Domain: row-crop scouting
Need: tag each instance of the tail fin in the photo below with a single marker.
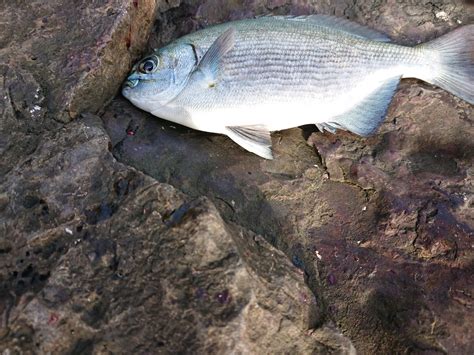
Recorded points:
(456, 55)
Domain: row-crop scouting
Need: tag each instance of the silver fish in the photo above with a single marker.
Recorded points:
(248, 78)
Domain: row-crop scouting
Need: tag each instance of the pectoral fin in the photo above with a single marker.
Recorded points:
(255, 139)
(210, 61)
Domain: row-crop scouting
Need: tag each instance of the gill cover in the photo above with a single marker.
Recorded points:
(159, 78)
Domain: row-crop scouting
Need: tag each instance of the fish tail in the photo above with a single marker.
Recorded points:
(452, 60)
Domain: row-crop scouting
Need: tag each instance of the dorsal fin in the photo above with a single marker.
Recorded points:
(340, 24)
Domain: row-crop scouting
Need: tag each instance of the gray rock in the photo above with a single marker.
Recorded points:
(60, 58)
(99, 257)
(178, 246)
(369, 221)
(77, 50)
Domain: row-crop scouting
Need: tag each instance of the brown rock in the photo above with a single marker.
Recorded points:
(99, 257)
(367, 220)
(78, 51)
(60, 59)
(107, 259)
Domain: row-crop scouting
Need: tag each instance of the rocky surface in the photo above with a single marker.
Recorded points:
(188, 243)
(78, 51)
(60, 58)
(98, 257)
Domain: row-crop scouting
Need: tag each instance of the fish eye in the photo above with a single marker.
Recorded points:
(148, 65)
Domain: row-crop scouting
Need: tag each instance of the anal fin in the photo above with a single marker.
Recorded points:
(255, 139)
(328, 126)
(367, 116)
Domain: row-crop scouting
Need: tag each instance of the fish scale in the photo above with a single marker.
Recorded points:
(249, 77)
(258, 63)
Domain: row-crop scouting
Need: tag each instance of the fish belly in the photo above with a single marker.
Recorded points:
(277, 109)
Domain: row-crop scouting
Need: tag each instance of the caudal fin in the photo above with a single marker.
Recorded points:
(455, 53)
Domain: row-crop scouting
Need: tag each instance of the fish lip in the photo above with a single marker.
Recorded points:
(131, 83)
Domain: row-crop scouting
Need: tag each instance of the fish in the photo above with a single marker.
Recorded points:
(250, 77)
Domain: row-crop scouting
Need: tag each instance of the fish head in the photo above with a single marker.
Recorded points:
(158, 78)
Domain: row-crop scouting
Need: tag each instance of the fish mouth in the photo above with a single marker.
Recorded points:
(131, 83)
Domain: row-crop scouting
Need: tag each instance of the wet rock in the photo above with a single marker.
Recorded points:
(419, 168)
(49, 74)
(80, 68)
(22, 115)
(97, 256)
(159, 270)
(367, 221)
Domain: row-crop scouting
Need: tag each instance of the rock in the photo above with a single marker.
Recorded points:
(97, 256)
(49, 74)
(100, 257)
(81, 68)
(23, 116)
(367, 220)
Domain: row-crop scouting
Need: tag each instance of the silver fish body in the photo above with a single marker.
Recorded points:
(250, 77)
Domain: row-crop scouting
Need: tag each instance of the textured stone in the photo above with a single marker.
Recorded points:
(96, 256)
(78, 51)
(369, 221)
(60, 58)
(99, 257)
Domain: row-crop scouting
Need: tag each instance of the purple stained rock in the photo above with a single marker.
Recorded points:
(223, 297)
(331, 279)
